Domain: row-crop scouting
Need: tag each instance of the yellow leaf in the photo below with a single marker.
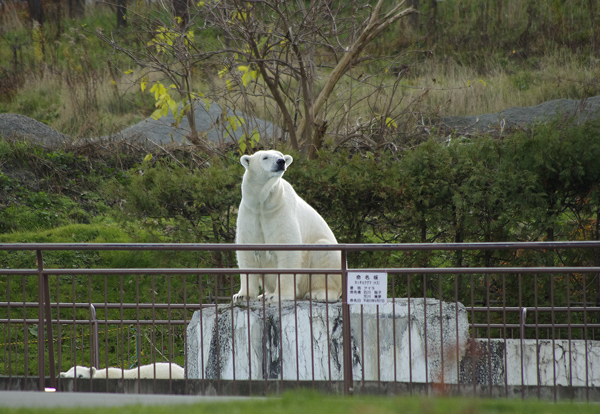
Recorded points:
(148, 157)
(232, 123)
(469, 84)
(127, 72)
(229, 85)
(156, 114)
(255, 136)
(482, 82)
(174, 107)
(390, 123)
(243, 68)
(143, 83)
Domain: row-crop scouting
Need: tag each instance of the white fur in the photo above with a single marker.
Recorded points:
(272, 213)
(82, 372)
(164, 370)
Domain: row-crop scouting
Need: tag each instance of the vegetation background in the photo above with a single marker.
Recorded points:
(416, 184)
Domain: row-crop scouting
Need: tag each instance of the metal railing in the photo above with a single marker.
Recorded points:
(508, 307)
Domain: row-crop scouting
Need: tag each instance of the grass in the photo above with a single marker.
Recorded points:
(303, 402)
(461, 90)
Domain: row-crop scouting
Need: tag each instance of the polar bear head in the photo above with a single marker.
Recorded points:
(267, 163)
(82, 372)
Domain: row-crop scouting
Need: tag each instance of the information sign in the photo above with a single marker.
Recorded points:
(367, 288)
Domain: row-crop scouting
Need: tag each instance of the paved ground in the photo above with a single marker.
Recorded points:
(17, 399)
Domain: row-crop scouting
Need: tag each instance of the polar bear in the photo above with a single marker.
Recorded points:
(272, 213)
(164, 370)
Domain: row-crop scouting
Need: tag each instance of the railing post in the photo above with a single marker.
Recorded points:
(94, 338)
(523, 318)
(51, 365)
(41, 359)
(346, 333)
(44, 304)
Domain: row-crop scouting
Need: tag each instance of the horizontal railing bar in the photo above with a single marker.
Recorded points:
(19, 272)
(177, 306)
(411, 270)
(533, 309)
(321, 247)
(101, 305)
(101, 321)
(182, 322)
(532, 325)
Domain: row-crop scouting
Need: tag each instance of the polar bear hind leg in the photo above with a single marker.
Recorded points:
(324, 287)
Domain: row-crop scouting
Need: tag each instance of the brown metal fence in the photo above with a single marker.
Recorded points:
(492, 331)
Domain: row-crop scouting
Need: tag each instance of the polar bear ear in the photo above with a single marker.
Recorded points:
(288, 160)
(245, 160)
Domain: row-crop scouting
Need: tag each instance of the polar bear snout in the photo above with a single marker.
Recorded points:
(279, 165)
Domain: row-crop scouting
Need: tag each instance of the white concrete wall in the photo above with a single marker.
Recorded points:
(273, 350)
(544, 362)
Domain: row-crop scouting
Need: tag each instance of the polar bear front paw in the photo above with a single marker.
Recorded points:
(240, 297)
(274, 298)
(323, 296)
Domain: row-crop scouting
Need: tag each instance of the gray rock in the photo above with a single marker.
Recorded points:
(212, 122)
(581, 110)
(15, 126)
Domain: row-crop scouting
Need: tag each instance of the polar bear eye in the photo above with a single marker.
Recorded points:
(264, 158)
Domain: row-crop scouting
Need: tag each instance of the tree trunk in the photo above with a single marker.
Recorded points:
(121, 14)
(76, 8)
(432, 20)
(594, 38)
(181, 10)
(414, 18)
(36, 11)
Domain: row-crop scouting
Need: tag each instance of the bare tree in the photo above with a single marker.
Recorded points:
(281, 38)
(288, 54)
